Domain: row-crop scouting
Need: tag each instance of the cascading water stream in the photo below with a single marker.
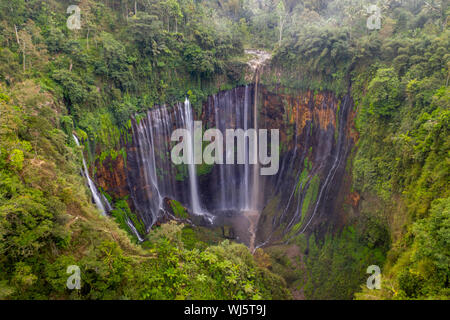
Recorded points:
(237, 184)
(222, 174)
(341, 152)
(245, 192)
(95, 194)
(189, 125)
(252, 212)
(255, 184)
(134, 230)
(100, 200)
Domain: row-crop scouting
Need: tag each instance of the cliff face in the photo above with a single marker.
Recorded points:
(316, 136)
(111, 175)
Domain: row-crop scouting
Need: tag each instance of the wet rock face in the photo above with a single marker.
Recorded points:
(111, 175)
(316, 137)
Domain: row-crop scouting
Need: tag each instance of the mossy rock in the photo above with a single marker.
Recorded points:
(178, 210)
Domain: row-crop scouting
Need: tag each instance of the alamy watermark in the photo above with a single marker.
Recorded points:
(374, 20)
(74, 281)
(74, 20)
(374, 281)
(189, 149)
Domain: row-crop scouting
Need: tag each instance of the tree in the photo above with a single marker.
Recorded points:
(384, 93)
(281, 12)
(146, 31)
(174, 12)
(432, 242)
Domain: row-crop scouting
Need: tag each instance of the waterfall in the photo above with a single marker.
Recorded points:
(95, 194)
(152, 177)
(189, 125)
(256, 175)
(234, 183)
(222, 174)
(311, 161)
(329, 152)
(128, 221)
(100, 200)
(245, 191)
(134, 230)
(237, 194)
(156, 177)
(338, 160)
(146, 164)
(108, 206)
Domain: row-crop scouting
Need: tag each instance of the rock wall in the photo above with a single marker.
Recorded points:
(316, 137)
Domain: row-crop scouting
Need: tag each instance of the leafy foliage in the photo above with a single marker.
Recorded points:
(131, 55)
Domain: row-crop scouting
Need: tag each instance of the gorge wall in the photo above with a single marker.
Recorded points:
(316, 137)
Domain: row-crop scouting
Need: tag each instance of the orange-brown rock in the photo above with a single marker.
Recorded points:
(111, 176)
(353, 199)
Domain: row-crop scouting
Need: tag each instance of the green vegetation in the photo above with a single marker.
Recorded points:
(131, 55)
(336, 266)
(178, 209)
(122, 212)
(403, 152)
(303, 179)
(398, 77)
(224, 271)
(310, 196)
(55, 81)
(121, 62)
(48, 223)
